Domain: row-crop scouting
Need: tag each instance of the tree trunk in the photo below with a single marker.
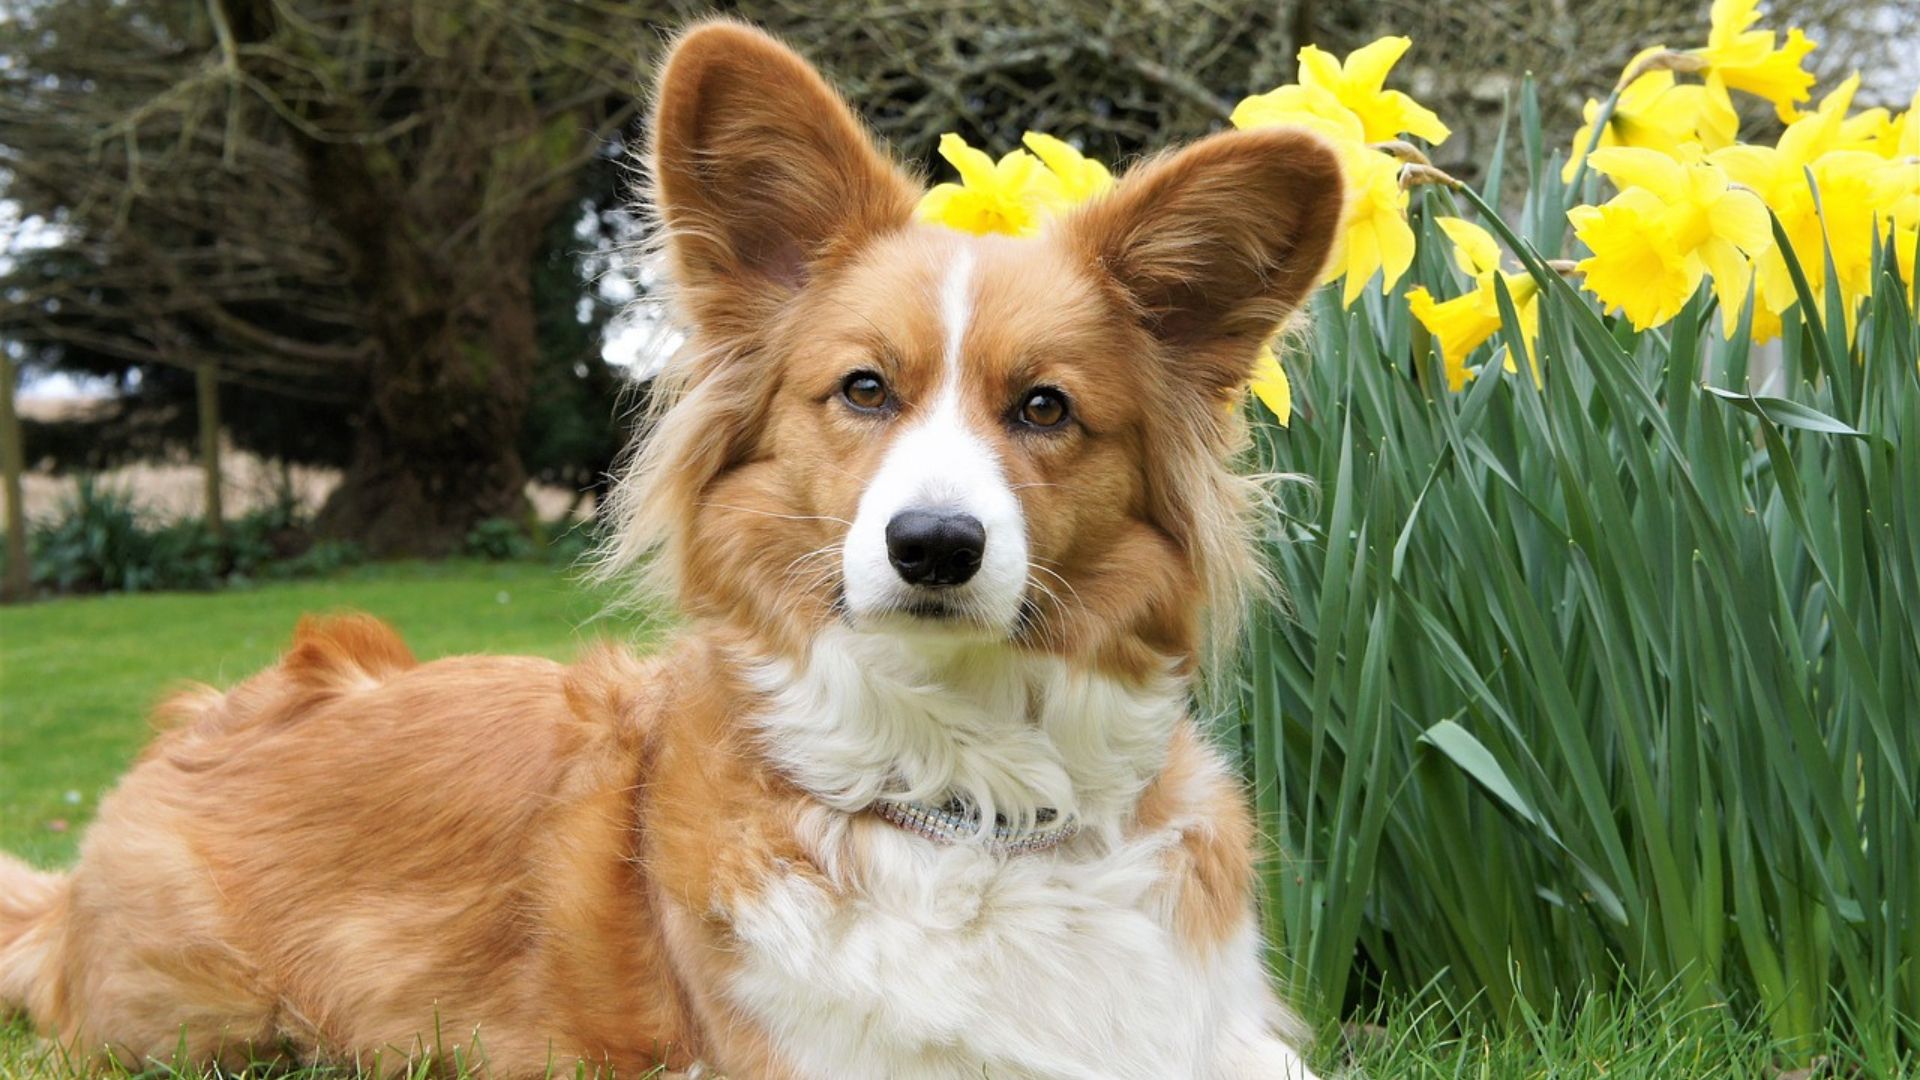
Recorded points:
(441, 229)
(206, 387)
(437, 450)
(19, 577)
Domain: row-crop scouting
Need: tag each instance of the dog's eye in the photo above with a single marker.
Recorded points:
(864, 391)
(1044, 407)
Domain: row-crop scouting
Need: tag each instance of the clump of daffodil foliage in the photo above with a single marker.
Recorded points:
(1599, 666)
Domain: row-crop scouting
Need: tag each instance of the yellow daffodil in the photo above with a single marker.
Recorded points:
(1311, 107)
(1856, 191)
(1375, 236)
(1015, 195)
(1636, 267)
(1903, 169)
(1822, 130)
(1475, 251)
(1658, 113)
(1860, 195)
(1359, 84)
(1458, 326)
(1081, 178)
(1464, 323)
(1270, 385)
(1746, 59)
(1874, 130)
(1832, 206)
(1705, 219)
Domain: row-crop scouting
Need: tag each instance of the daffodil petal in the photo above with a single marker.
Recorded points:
(1741, 218)
(974, 165)
(1318, 67)
(1632, 166)
(1368, 65)
(1271, 386)
(1475, 250)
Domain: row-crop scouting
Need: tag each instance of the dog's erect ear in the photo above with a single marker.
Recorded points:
(1215, 245)
(761, 172)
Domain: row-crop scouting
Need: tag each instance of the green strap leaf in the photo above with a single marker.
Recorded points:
(1785, 413)
(1463, 749)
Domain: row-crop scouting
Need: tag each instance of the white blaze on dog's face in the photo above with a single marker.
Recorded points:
(910, 430)
(939, 540)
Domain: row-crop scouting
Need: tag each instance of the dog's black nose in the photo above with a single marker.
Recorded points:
(934, 548)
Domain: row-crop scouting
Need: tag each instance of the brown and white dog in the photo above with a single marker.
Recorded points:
(915, 795)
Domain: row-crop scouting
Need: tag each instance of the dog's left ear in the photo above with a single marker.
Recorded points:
(1214, 246)
(762, 174)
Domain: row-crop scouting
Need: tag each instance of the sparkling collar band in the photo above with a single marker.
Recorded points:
(954, 823)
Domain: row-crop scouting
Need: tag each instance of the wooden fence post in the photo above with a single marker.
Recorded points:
(19, 577)
(206, 385)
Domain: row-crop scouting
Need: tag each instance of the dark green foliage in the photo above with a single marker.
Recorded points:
(100, 542)
(500, 540)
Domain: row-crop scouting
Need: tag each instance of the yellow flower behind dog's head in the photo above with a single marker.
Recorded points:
(1359, 83)
(1081, 178)
(1015, 195)
(1271, 386)
(1375, 235)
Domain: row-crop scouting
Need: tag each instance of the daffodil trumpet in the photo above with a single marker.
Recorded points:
(1462, 324)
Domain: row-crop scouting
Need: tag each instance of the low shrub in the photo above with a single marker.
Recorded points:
(99, 542)
(500, 540)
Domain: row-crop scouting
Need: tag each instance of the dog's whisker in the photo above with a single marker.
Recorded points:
(774, 514)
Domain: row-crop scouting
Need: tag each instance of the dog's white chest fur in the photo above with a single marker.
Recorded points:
(913, 959)
(951, 963)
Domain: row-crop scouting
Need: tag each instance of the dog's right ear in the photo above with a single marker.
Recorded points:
(762, 175)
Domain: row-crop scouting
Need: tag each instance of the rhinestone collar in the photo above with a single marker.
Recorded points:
(954, 823)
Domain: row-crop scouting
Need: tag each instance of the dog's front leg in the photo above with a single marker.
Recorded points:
(1261, 1058)
(1252, 1052)
(1255, 1037)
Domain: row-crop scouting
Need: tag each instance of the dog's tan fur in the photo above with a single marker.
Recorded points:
(352, 854)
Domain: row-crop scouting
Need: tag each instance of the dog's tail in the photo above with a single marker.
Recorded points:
(32, 903)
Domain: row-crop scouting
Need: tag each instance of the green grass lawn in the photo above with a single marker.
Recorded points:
(78, 676)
